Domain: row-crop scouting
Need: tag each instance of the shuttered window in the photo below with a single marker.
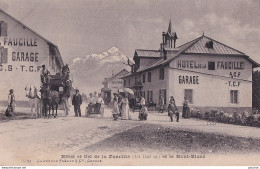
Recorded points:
(163, 93)
(234, 96)
(149, 96)
(161, 74)
(3, 28)
(149, 76)
(3, 55)
(144, 78)
(188, 93)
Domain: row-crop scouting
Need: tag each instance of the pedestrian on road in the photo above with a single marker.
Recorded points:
(11, 100)
(173, 110)
(161, 103)
(186, 109)
(143, 113)
(77, 101)
(115, 110)
(125, 114)
(100, 102)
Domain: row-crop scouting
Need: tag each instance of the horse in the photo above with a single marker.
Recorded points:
(34, 98)
(51, 99)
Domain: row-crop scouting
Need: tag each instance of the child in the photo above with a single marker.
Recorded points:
(143, 113)
(115, 110)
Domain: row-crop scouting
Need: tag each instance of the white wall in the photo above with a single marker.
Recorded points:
(16, 74)
(212, 91)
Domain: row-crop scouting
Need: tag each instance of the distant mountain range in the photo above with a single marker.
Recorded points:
(89, 72)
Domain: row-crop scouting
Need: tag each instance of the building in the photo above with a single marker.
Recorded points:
(22, 52)
(112, 85)
(212, 75)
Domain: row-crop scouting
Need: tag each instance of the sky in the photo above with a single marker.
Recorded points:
(83, 27)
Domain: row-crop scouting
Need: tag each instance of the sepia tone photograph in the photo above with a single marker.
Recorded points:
(130, 83)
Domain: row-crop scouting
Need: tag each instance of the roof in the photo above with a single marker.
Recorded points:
(148, 53)
(49, 42)
(197, 46)
(113, 76)
(218, 47)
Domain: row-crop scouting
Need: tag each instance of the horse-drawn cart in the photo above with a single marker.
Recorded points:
(56, 92)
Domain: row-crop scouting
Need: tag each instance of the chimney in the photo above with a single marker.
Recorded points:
(164, 54)
(163, 38)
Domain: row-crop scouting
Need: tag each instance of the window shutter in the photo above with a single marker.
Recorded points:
(3, 29)
(5, 55)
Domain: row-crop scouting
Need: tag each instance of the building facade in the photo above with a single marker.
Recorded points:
(210, 74)
(22, 52)
(112, 85)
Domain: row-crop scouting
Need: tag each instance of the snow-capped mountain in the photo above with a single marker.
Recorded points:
(89, 72)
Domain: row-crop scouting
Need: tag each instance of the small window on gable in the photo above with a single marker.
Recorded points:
(3, 28)
(209, 44)
(211, 65)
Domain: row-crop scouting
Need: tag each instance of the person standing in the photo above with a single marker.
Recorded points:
(44, 76)
(186, 109)
(172, 109)
(11, 100)
(77, 101)
(161, 103)
(115, 110)
(125, 108)
(100, 102)
(142, 101)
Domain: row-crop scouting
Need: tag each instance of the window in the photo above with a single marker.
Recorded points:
(188, 93)
(209, 44)
(211, 65)
(3, 28)
(163, 93)
(3, 55)
(53, 62)
(143, 93)
(161, 74)
(124, 82)
(129, 82)
(149, 76)
(149, 96)
(144, 78)
(234, 96)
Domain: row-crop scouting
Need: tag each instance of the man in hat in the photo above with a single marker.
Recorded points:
(11, 100)
(77, 101)
(44, 76)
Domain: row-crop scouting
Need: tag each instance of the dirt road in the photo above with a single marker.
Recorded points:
(28, 141)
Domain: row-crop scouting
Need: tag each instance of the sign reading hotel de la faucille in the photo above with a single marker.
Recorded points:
(18, 55)
(220, 65)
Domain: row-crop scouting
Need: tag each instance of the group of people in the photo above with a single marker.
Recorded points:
(121, 107)
(173, 110)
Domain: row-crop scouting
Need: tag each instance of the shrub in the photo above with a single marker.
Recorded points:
(206, 115)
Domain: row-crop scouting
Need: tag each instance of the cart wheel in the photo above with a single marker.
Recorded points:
(102, 112)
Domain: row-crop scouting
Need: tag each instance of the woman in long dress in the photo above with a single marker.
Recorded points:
(125, 109)
(186, 109)
(115, 110)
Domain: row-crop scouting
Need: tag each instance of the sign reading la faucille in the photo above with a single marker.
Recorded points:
(22, 56)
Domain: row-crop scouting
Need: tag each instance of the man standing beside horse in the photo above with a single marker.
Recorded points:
(77, 101)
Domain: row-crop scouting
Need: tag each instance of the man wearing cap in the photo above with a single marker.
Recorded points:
(11, 100)
(77, 101)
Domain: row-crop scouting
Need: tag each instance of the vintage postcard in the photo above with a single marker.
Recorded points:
(129, 83)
